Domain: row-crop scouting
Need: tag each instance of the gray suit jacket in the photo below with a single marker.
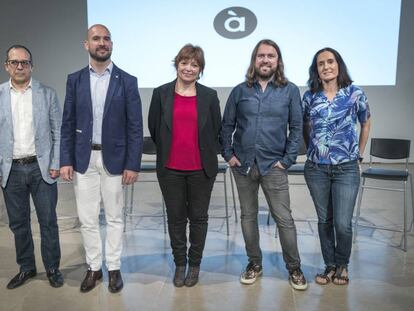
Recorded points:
(47, 119)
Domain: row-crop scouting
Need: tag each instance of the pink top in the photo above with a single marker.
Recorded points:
(185, 151)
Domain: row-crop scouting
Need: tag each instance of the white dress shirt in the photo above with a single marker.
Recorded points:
(22, 112)
(99, 88)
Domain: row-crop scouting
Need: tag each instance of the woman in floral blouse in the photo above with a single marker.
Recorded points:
(332, 108)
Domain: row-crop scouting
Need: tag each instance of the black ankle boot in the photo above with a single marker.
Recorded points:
(192, 276)
(179, 276)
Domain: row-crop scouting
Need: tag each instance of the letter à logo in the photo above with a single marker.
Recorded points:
(235, 22)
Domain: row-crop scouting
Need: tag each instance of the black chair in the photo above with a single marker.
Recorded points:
(390, 149)
(149, 148)
(223, 168)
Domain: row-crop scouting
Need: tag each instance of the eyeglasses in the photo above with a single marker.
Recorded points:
(15, 63)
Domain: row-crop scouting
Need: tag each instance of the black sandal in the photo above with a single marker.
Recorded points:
(327, 275)
(338, 278)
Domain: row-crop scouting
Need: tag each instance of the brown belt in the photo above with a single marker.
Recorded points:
(96, 147)
(26, 160)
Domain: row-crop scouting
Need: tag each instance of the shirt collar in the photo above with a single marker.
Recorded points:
(29, 86)
(107, 69)
(270, 83)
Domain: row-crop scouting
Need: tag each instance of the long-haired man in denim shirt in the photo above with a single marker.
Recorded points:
(261, 134)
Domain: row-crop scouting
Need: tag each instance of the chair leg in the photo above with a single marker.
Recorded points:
(163, 216)
(412, 204)
(358, 211)
(226, 204)
(404, 246)
(234, 198)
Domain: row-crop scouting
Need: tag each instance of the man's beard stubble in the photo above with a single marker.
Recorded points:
(100, 59)
(264, 76)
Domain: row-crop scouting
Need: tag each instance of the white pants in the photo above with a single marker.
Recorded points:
(92, 187)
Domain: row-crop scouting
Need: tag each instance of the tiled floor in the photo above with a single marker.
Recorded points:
(382, 276)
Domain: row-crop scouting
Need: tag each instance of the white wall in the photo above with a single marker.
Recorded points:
(54, 31)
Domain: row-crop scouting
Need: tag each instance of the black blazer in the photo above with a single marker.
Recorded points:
(160, 119)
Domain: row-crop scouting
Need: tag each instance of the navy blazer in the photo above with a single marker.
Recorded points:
(121, 125)
(160, 119)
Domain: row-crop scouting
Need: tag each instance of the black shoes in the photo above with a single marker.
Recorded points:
(115, 281)
(90, 279)
(55, 277)
(189, 280)
(20, 278)
(179, 276)
(192, 276)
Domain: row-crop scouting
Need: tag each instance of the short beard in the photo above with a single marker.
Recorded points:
(100, 59)
(266, 76)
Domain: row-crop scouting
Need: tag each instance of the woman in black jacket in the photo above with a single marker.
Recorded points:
(184, 121)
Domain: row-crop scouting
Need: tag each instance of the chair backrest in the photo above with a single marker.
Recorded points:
(387, 148)
(149, 147)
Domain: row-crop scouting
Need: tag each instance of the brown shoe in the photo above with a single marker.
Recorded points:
(115, 281)
(90, 279)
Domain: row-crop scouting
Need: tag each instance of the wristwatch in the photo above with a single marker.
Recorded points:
(360, 159)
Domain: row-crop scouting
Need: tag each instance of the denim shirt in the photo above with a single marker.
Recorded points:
(255, 126)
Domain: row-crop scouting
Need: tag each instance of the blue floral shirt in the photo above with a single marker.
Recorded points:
(333, 137)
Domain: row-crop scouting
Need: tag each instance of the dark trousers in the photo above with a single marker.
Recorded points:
(26, 180)
(275, 187)
(187, 196)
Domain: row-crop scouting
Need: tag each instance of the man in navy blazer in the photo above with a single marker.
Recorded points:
(101, 147)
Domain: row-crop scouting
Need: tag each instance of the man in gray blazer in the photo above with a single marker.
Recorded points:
(30, 119)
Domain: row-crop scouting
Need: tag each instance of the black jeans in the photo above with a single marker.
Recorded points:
(26, 180)
(187, 196)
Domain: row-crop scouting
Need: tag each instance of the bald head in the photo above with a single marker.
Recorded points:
(94, 27)
(99, 44)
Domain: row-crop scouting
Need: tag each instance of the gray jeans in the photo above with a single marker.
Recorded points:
(276, 190)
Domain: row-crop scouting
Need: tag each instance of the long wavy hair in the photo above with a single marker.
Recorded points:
(279, 78)
(343, 79)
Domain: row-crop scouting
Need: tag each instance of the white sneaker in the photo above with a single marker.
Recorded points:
(297, 280)
(251, 273)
